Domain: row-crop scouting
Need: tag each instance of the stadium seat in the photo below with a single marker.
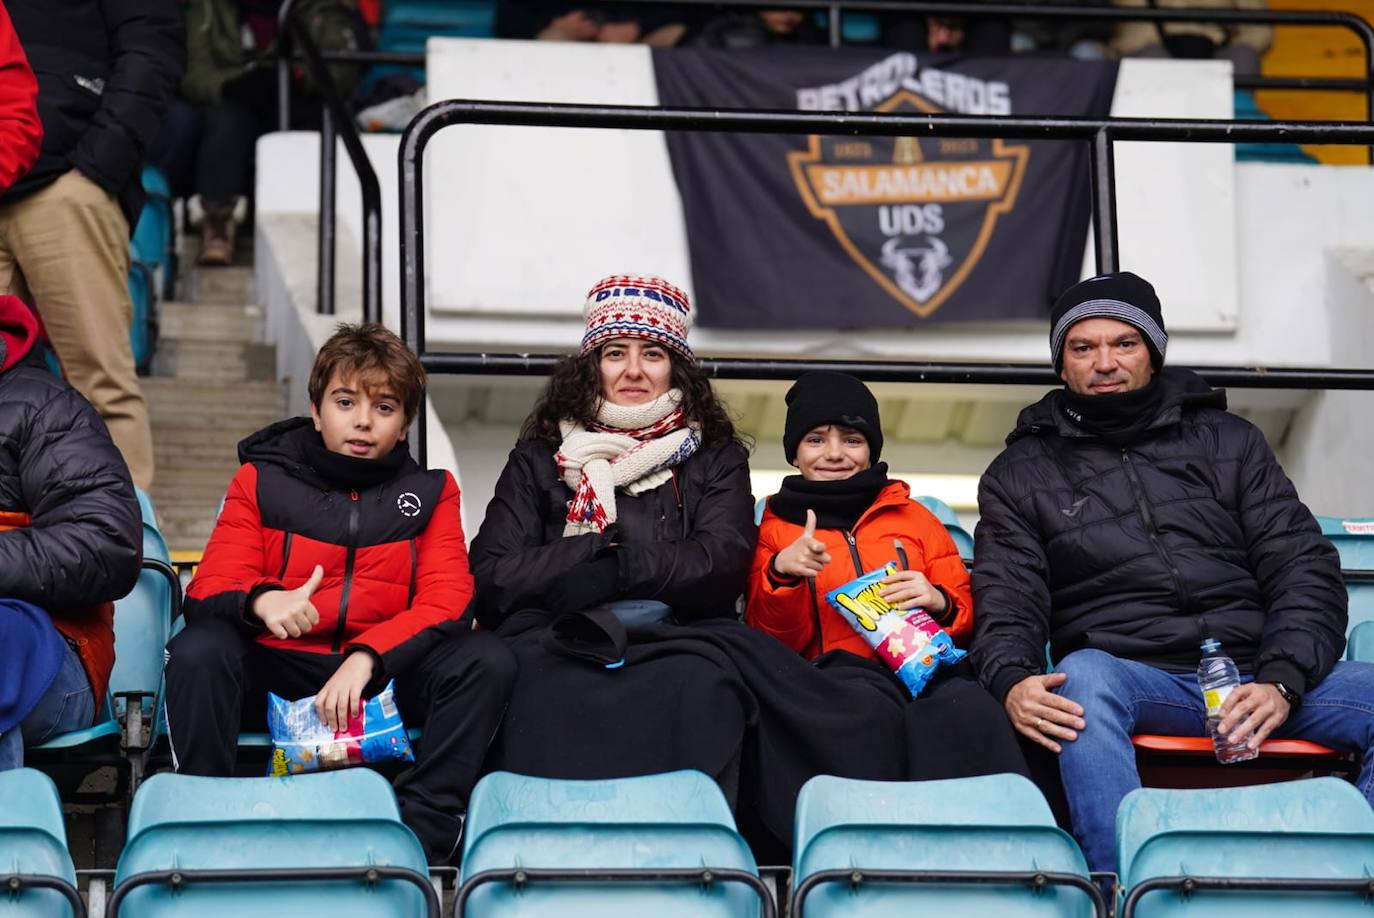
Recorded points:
(1320, 831)
(143, 329)
(661, 845)
(970, 846)
(1354, 539)
(318, 844)
(151, 266)
(143, 622)
(36, 873)
(945, 514)
(1359, 646)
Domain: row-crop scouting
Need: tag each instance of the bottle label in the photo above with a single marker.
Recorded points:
(1214, 697)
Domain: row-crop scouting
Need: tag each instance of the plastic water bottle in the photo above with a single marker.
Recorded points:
(1218, 677)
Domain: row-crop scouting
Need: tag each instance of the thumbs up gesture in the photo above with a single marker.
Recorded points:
(290, 613)
(805, 557)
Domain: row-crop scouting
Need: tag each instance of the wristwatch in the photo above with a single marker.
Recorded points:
(1290, 696)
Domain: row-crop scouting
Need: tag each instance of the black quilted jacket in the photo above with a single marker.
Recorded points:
(687, 543)
(1193, 530)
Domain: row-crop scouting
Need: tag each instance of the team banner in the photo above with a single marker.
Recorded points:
(879, 232)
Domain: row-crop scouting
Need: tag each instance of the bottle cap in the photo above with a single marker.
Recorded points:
(1211, 645)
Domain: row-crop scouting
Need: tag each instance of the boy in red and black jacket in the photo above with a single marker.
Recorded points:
(337, 564)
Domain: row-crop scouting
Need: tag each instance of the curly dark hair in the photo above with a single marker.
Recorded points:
(574, 391)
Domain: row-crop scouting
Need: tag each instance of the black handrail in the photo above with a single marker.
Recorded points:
(335, 120)
(1103, 133)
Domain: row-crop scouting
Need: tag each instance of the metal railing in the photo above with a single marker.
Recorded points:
(1101, 133)
(336, 122)
(297, 45)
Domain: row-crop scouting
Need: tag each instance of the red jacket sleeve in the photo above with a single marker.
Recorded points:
(443, 585)
(774, 606)
(21, 133)
(234, 563)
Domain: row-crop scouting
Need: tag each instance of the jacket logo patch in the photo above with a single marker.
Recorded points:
(1072, 510)
(408, 504)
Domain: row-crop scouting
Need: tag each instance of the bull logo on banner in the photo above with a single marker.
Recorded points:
(916, 213)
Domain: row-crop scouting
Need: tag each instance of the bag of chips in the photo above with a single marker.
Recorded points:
(302, 742)
(911, 644)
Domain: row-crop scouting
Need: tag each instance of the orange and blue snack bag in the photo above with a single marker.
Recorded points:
(911, 643)
(302, 742)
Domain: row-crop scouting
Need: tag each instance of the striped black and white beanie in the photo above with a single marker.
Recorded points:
(1122, 296)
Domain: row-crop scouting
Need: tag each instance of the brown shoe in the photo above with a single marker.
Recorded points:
(219, 222)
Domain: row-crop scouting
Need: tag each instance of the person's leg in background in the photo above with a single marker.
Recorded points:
(223, 178)
(177, 146)
(70, 242)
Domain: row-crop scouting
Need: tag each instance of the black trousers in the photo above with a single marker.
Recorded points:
(218, 678)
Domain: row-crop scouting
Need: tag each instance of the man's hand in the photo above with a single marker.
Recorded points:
(342, 696)
(290, 613)
(1040, 714)
(910, 590)
(573, 26)
(805, 557)
(1256, 710)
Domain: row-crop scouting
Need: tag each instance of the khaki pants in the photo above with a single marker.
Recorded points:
(65, 250)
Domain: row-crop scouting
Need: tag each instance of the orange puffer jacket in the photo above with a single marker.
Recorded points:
(797, 614)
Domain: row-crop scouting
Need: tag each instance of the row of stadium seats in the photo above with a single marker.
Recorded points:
(666, 845)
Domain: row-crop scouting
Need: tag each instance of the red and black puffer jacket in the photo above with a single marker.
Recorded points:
(394, 556)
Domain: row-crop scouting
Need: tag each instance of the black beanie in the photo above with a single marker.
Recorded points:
(1122, 296)
(823, 397)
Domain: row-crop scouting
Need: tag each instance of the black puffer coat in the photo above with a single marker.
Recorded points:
(1193, 529)
(686, 543)
(106, 72)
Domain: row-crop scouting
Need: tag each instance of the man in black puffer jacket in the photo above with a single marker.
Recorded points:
(106, 71)
(1129, 518)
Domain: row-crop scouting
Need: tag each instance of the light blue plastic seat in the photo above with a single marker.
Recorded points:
(1360, 645)
(33, 847)
(1319, 828)
(316, 834)
(142, 623)
(994, 823)
(1354, 539)
(677, 821)
(946, 515)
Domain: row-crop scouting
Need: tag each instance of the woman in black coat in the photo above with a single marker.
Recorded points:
(625, 505)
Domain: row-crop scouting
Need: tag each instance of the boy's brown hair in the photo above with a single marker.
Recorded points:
(376, 358)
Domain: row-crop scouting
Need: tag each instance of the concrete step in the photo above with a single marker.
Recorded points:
(224, 286)
(199, 403)
(224, 361)
(209, 322)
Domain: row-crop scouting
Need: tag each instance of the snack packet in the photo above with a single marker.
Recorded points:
(302, 742)
(910, 643)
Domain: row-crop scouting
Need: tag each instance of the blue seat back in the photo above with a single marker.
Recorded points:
(674, 820)
(33, 841)
(1318, 827)
(963, 540)
(152, 238)
(342, 818)
(994, 822)
(143, 328)
(1359, 647)
(1354, 540)
(143, 619)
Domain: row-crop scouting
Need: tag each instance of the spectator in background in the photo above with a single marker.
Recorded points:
(70, 544)
(1084, 39)
(106, 70)
(946, 34)
(229, 99)
(21, 132)
(1241, 44)
(758, 29)
(554, 20)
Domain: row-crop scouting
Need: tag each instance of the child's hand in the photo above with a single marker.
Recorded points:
(290, 613)
(806, 557)
(909, 590)
(342, 696)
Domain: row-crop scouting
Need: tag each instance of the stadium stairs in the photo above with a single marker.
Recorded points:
(214, 381)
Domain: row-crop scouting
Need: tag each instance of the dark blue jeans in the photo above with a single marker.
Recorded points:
(1123, 697)
(66, 706)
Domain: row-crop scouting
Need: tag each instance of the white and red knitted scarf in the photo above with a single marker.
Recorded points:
(628, 446)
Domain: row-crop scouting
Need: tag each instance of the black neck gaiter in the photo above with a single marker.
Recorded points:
(352, 472)
(838, 504)
(1117, 418)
